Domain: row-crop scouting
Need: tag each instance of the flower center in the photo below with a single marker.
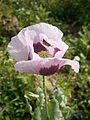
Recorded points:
(44, 54)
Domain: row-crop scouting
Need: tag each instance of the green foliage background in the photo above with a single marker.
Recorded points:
(73, 18)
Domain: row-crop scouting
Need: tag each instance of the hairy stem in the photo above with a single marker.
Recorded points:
(45, 94)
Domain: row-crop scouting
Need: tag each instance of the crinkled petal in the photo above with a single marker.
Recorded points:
(18, 48)
(52, 48)
(29, 39)
(63, 48)
(29, 35)
(19, 55)
(49, 30)
(45, 66)
(21, 46)
(73, 63)
(55, 44)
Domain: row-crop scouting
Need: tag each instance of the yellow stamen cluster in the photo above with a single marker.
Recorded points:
(44, 54)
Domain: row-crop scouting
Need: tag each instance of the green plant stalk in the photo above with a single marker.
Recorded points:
(45, 94)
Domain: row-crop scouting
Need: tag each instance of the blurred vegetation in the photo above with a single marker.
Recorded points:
(73, 18)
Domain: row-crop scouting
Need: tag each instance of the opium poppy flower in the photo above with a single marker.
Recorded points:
(39, 49)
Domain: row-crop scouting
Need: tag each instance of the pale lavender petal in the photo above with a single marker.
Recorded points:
(74, 64)
(21, 46)
(18, 49)
(31, 66)
(56, 49)
(36, 56)
(45, 66)
(50, 50)
(55, 44)
(29, 40)
(29, 36)
(62, 47)
(49, 30)
(19, 55)
(51, 46)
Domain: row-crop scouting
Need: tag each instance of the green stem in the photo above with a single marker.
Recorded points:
(45, 94)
